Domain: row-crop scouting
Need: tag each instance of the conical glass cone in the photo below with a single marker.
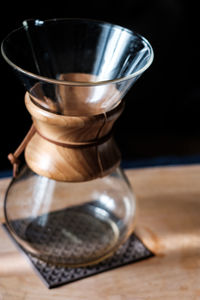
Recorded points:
(76, 66)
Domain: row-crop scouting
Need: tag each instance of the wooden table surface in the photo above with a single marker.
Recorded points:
(168, 223)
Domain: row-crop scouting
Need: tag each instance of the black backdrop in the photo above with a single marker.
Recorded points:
(162, 109)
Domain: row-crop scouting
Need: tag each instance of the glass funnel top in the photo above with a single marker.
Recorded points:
(50, 48)
(47, 54)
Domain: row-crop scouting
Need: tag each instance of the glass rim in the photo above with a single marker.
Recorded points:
(81, 83)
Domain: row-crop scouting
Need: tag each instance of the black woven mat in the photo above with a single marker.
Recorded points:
(132, 251)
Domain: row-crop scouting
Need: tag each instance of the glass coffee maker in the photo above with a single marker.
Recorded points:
(71, 203)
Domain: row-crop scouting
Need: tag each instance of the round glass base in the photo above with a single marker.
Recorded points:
(70, 224)
(75, 236)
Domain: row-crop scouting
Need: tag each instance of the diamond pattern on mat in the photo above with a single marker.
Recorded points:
(70, 236)
(133, 250)
(77, 234)
(53, 276)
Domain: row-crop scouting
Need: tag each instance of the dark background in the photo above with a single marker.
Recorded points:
(162, 109)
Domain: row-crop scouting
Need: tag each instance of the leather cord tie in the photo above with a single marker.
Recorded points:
(79, 145)
(13, 157)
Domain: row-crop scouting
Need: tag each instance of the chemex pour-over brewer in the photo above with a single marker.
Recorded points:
(71, 203)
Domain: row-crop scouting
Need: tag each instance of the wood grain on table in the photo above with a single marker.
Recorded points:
(168, 223)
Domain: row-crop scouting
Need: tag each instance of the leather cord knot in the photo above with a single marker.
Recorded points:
(13, 157)
(15, 162)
